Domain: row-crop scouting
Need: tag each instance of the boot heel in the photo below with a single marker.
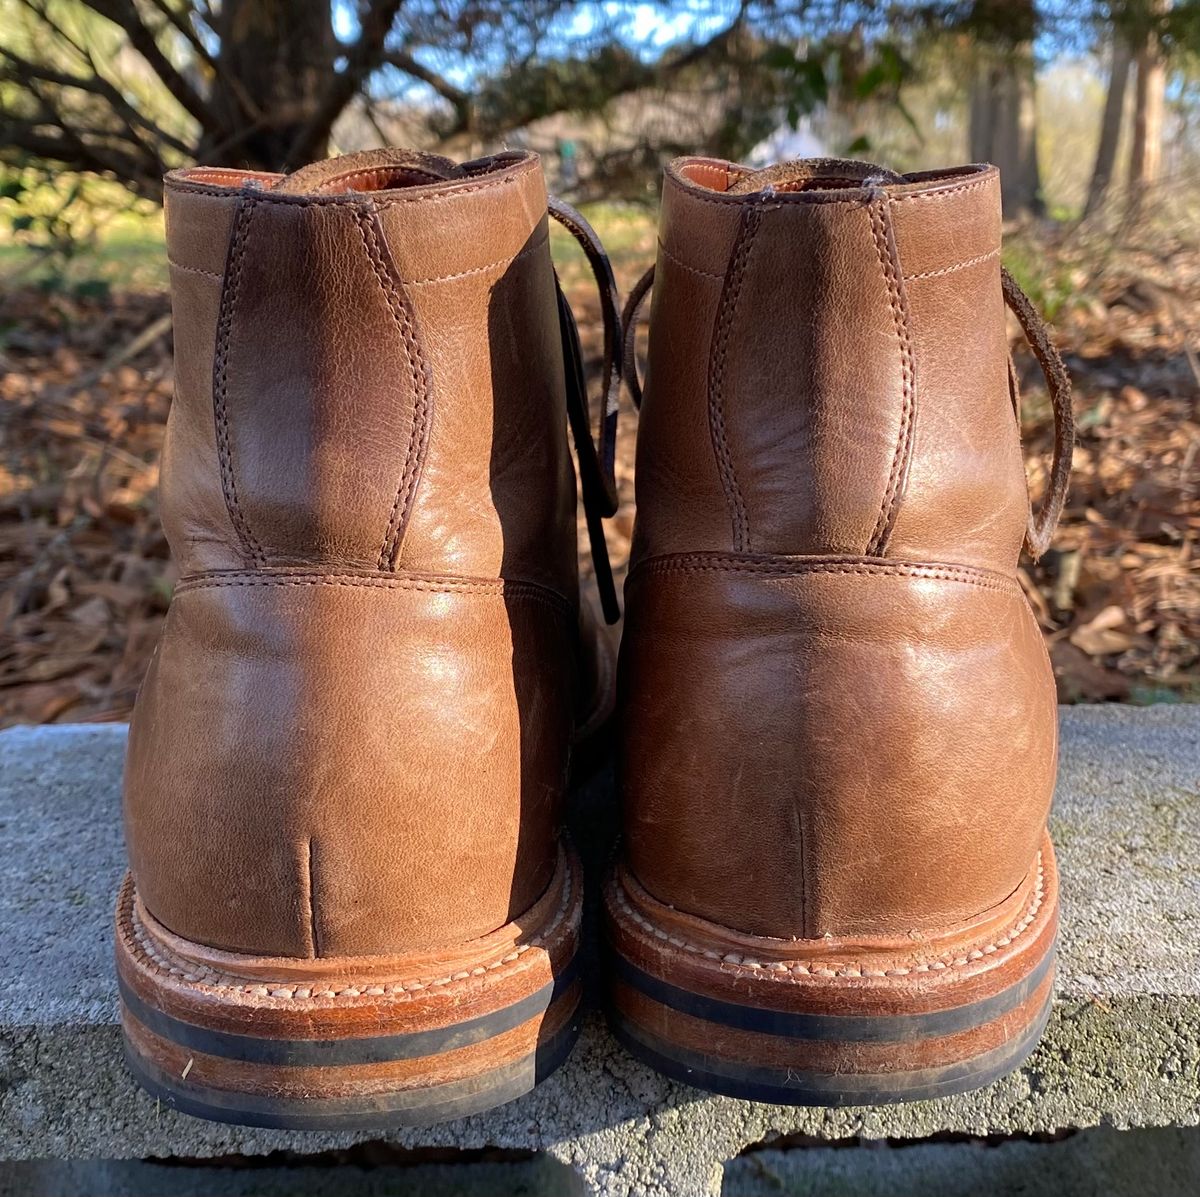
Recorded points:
(828, 1022)
(355, 1042)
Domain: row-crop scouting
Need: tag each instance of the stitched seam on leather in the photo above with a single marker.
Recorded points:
(727, 307)
(725, 200)
(418, 431)
(714, 563)
(138, 938)
(267, 197)
(975, 261)
(783, 971)
(194, 269)
(449, 278)
(666, 253)
(887, 513)
(230, 298)
(498, 587)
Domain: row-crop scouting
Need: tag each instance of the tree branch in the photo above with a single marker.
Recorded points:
(27, 73)
(361, 59)
(402, 60)
(141, 38)
(187, 30)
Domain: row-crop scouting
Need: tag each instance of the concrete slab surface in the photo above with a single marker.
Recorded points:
(1122, 1050)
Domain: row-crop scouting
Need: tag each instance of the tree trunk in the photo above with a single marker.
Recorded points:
(1003, 124)
(1145, 153)
(1110, 128)
(276, 59)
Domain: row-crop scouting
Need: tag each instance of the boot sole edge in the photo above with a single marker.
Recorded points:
(861, 1034)
(388, 1050)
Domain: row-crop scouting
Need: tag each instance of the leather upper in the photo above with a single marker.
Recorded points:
(353, 738)
(838, 713)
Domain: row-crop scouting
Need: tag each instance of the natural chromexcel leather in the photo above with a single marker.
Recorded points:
(353, 738)
(838, 714)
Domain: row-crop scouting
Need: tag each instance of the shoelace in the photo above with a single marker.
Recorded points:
(596, 457)
(1040, 525)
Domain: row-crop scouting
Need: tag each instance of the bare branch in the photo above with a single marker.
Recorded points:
(22, 71)
(459, 99)
(361, 59)
(182, 23)
(141, 38)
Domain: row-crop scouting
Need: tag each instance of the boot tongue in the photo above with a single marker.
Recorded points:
(814, 174)
(371, 170)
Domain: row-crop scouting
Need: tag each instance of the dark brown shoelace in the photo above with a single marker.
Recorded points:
(596, 456)
(1041, 524)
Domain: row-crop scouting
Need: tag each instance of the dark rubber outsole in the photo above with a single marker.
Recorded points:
(826, 1021)
(423, 1107)
(352, 1042)
(790, 1086)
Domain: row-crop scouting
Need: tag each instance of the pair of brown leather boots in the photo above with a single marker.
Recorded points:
(350, 902)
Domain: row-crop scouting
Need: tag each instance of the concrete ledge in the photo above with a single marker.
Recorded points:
(1123, 1047)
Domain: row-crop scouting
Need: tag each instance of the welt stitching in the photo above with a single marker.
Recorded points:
(666, 253)
(887, 511)
(975, 261)
(691, 564)
(716, 374)
(448, 278)
(194, 269)
(782, 970)
(137, 937)
(418, 429)
(230, 298)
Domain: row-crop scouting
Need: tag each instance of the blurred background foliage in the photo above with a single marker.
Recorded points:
(1091, 109)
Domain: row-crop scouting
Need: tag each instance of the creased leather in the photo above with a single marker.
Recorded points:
(840, 720)
(354, 736)
(832, 750)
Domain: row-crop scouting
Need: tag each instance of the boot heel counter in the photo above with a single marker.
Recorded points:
(267, 809)
(836, 746)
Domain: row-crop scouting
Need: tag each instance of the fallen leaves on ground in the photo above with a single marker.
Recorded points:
(85, 575)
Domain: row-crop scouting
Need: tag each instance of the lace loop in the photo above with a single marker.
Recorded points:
(1040, 527)
(629, 321)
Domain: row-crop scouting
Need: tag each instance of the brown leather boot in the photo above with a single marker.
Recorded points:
(839, 723)
(349, 902)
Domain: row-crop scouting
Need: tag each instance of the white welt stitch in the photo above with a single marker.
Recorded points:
(139, 939)
(784, 971)
(995, 253)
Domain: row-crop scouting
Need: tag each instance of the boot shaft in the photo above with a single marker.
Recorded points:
(368, 378)
(354, 735)
(838, 712)
(828, 370)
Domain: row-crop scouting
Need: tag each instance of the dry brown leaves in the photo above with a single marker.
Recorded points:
(1119, 595)
(85, 575)
(84, 571)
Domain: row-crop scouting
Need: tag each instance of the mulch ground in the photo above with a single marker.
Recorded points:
(85, 576)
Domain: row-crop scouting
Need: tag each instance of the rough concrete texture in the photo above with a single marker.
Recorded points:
(1123, 1047)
